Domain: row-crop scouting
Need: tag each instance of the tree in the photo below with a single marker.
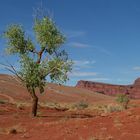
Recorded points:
(47, 59)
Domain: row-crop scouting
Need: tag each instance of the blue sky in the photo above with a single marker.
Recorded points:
(103, 36)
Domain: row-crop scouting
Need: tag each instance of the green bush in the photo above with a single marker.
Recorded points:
(123, 99)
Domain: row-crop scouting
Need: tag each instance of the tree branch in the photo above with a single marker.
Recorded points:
(40, 53)
(12, 70)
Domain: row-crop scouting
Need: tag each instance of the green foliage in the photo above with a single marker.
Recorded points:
(38, 63)
(123, 99)
(17, 43)
(47, 35)
(33, 74)
(59, 69)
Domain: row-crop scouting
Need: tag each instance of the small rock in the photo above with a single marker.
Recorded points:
(13, 131)
(129, 113)
(104, 115)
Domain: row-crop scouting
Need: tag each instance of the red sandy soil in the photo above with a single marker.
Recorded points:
(53, 124)
(66, 125)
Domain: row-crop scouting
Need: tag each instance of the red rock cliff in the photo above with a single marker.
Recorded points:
(132, 90)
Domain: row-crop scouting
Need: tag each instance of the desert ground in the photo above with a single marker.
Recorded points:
(65, 113)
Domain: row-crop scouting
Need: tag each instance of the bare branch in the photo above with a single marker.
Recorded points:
(12, 70)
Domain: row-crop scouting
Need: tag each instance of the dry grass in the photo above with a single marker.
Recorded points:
(99, 138)
(112, 108)
(80, 105)
(21, 105)
(55, 105)
(84, 106)
(2, 101)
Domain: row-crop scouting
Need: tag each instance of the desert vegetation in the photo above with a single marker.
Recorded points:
(36, 64)
(123, 99)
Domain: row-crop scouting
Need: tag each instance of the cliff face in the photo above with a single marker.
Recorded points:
(132, 90)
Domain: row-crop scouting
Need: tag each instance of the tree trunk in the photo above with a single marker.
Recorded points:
(35, 102)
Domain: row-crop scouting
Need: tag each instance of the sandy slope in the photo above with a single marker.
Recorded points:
(53, 93)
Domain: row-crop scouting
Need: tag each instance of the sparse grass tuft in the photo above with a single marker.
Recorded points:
(21, 105)
(112, 108)
(80, 105)
(2, 101)
(54, 105)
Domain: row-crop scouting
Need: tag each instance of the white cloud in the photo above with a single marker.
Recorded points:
(83, 62)
(78, 45)
(102, 50)
(84, 45)
(97, 79)
(82, 74)
(137, 68)
(1, 66)
(73, 34)
(80, 64)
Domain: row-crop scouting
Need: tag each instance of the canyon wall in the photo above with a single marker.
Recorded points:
(109, 89)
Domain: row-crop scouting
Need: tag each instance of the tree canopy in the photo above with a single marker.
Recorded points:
(36, 63)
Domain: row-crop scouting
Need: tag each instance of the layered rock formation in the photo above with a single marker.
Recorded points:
(132, 90)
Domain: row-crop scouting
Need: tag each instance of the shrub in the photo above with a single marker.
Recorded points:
(112, 108)
(81, 105)
(123, 99)
(2, 101)
(20, 106)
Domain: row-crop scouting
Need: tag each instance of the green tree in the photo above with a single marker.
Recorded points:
(46, 59)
